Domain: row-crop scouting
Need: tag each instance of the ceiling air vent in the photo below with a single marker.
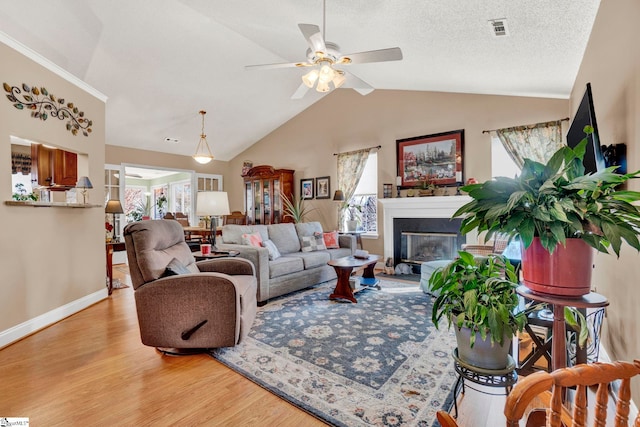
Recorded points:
(499, 27)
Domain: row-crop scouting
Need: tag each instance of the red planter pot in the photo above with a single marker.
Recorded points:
(566, 272)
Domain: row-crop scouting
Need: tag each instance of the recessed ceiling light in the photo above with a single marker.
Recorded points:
(172, 140)
(499, 27)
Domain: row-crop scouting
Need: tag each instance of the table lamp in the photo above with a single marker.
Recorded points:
(212, 203)
(84, 183)
(114, 207)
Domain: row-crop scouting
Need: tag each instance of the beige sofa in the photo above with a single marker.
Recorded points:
(294, 269)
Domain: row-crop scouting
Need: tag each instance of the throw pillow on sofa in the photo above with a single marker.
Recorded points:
(274, 253)
(331, 240)
(312, 243)
(252, 239)
(175, 268)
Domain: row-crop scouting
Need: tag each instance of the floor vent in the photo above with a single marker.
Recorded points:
(499, 27)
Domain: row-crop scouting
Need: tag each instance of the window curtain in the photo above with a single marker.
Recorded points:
(350, 168)
(20, 163)
(536, 142)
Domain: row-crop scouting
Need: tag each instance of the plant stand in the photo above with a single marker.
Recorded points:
(506, 378)
(559, 346)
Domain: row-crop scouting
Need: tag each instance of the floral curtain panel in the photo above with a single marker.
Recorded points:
(20, 163)
(350, 168)
(537, 142)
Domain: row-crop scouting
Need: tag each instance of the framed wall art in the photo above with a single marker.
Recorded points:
(323, 187)
(431, 159)
(306, 188)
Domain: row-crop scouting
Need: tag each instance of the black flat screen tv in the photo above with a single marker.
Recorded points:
(586, 115)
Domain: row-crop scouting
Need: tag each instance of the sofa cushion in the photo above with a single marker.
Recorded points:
(331, 240)
(313, 259)
(232, 233)
(284, 236)
(274, 253)
(308, 228)
(312, 243)
(285, 265)
(339, 253)
(252, 239)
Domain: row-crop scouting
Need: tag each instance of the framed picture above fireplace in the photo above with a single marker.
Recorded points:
(431, 159)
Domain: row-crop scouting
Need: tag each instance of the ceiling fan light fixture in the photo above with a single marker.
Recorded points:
(339, 79)
(326, 74)
(323, 86)
(203, 153)
(310, 78)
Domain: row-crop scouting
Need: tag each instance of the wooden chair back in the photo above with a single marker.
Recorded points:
(236, 217)
(445, 419)
(581, 377)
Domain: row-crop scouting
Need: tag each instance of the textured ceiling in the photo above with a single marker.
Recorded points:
(162, 61)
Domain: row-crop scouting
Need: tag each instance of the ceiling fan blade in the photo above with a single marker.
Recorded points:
(381, 55)
(300, 92)
(314, 37)
(357, 84)
(278, 65)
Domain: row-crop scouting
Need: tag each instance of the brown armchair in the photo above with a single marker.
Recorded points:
(183, 304)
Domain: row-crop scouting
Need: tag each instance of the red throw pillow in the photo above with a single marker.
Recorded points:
(331, 240)
(253, 239)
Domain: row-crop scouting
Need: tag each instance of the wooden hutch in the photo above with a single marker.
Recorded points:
(263, 188)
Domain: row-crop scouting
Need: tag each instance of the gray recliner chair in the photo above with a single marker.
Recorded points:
(183, 304)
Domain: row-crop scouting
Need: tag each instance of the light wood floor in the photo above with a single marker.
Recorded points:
(92, 370)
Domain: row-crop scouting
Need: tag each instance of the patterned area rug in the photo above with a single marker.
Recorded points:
(379, 362)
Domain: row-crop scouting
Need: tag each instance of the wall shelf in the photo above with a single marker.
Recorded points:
(51, 204)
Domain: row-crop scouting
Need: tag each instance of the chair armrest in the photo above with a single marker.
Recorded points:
(260, 259)
(231, 266)
(348, 241)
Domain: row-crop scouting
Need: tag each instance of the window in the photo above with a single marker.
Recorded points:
(366, 196)
(181, 197)
(501, 163)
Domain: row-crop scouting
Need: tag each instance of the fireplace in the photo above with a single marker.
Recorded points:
(416, 240)
(422, 215)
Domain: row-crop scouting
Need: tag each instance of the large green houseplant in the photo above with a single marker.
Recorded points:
(477, 295)
(295, 208)
(555, 206)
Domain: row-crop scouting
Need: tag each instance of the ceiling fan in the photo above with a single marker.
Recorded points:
(324, 57)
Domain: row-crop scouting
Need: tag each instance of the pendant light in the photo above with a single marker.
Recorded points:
(203, 153)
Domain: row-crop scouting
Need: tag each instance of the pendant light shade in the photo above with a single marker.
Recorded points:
(203, 153)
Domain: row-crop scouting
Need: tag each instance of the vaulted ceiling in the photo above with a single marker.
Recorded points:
(162, 61)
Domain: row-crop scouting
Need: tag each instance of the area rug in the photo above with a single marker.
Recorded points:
(379, 362)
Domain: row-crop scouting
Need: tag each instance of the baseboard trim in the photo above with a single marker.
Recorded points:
(31, 326)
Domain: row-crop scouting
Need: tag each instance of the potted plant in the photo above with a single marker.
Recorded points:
(560, 214)
(353, 220)
(477, 295)
(295, 208)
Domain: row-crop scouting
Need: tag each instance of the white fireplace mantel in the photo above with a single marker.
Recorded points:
(419, 207)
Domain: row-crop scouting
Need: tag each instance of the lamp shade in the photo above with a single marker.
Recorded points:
(84, 182)
(212, 203)
(114, 207)
(338, 196)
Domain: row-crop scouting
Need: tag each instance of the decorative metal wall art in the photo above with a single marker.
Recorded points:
(44, 104)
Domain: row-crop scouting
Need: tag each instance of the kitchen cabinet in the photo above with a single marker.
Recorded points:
(263, 190)
(53, 167)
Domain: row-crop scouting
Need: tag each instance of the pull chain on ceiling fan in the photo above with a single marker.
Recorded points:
(323, 56)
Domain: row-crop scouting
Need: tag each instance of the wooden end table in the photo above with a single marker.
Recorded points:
(344, 267)
(112, 247)
(214, 254)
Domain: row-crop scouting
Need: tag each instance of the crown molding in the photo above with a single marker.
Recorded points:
(41, 60)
